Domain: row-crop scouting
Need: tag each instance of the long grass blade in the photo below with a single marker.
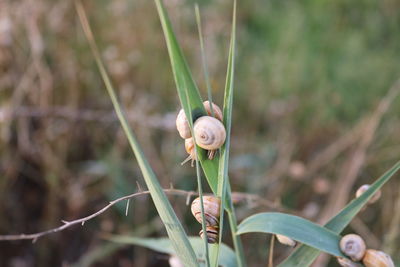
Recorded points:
(305, 255)
(294, 227)
(174, 228)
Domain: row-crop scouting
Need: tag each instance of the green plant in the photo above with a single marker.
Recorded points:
(314, 238)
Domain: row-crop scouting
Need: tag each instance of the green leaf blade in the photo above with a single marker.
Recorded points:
(294, 227)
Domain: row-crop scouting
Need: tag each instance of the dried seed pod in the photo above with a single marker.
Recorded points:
(376, 258)
(212, 234)
(182, 125)
(211, 210)
(285, 240)
(344, 262)
(364, 188)
(217, 111)
(209, 133)
(353, 246)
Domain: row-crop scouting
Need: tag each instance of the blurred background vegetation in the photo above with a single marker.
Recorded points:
(312, 121)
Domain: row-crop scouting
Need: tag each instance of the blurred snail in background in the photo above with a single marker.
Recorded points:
(174, 261)
(212, 207)
(375, 258)
(353, 246)
(285, 240)
(209, 131)
(364, 188)
(212, 234)
(344, 262)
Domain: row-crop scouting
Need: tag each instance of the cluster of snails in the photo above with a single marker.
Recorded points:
(209, 132)
(212, 207)
(354, 247)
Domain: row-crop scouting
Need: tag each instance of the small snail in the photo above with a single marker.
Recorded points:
(209, 133)
(212, 234)
(285, 240)
(364, 188)
(353, 246)
(174, 261)
(344, 262)
(182, 125)
(375, 258)
(211, 210)
(189, 146)
(217, 111)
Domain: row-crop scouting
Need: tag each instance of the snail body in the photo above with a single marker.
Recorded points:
(285, 240)
(209, 133)
(212, 206)
(375, 258)
(212, 234)
(364, 188)
(353, 246)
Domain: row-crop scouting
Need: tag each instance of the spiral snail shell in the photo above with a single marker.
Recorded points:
(375, 258)
(353, 246)
(217, 111)
(364, 188)
(285, 240)
(182, 125)
(211, 210)
(212, 234)
(209, 133)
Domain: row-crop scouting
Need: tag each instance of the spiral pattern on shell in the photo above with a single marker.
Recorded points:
(209, 133)
(375, 258)
(211, 210)
(353, 246)
(212, 234)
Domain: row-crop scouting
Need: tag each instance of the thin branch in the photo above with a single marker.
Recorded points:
(171, 191)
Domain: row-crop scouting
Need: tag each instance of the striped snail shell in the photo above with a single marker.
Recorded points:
(375, 258)
(353, 246)
(209, 133)
(211, 210)
(212, 234)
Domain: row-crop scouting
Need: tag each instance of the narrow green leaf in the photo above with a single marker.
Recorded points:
(305, 255)
(173, 226)
(294, 227)
(163, 245)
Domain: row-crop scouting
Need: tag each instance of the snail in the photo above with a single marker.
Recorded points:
(217, 111)
(209, 133)
(182, 124)
(174, 261)
(189, 147)
(353, 246)
(364, 188)
(344, 262)
(375, 258)
(211, 210)
(285, 240)
(212, 234)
